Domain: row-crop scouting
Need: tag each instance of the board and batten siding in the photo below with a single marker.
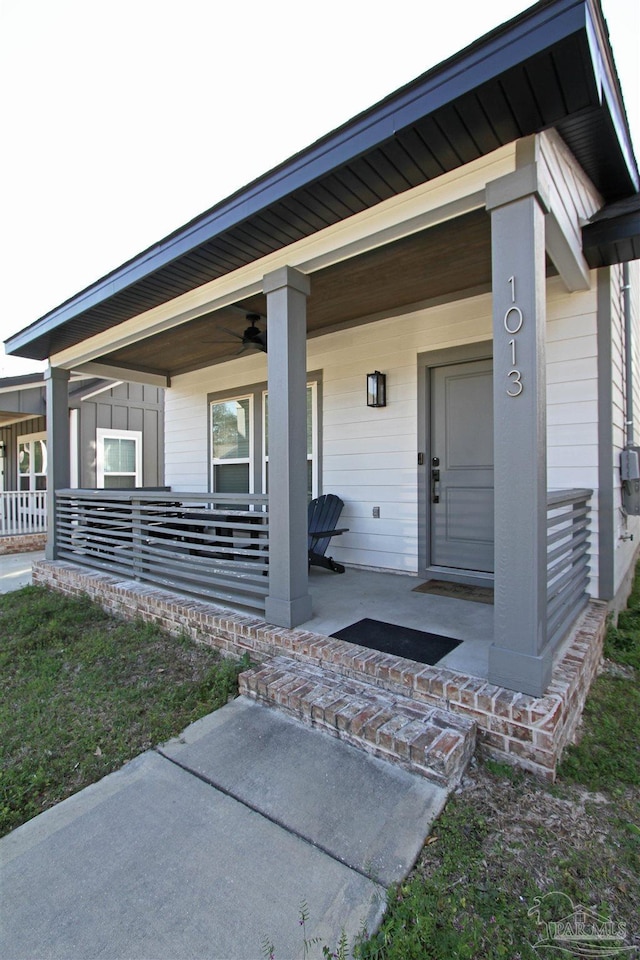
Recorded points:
(11, 435)
(126, 406)
(369, 456)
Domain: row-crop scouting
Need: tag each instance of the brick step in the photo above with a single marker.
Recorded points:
(429, 741)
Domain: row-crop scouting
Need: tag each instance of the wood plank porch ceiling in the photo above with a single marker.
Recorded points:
(452, 259)
(440, 262)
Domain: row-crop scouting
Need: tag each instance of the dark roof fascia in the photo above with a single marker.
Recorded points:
(613, 234)
(609, 82)
(526, 35)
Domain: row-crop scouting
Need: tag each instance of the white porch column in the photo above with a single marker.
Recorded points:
(519, 657)
(58, 468)
(288, 602)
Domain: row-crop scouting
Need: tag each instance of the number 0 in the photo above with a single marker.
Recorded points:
(519, 320)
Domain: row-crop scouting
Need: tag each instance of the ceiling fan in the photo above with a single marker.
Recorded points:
(252, 336)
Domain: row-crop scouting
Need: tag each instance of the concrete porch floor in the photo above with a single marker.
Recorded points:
(342, 599)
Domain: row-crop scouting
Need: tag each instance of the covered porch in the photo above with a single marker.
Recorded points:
(443, 226)
(168, 558)
(218, 548)
(504, 220)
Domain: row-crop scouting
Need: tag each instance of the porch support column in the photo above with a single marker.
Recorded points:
(288, 603)
(519, 657)
(58, 466)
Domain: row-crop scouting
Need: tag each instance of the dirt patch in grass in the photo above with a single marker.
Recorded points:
(510, 856)
(506, 845)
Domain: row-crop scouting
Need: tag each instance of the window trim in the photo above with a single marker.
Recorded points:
(31, 438)
(103, 434)
(257, 462)
(314, 386)
(216, 461)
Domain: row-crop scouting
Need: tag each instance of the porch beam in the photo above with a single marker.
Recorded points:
(109, 371)
(519, 657)
(288, 603)
(570, 197)
(58, 459)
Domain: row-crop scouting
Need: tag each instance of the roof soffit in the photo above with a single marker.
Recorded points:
(231, 296)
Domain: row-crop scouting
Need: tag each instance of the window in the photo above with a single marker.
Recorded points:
(240, 442)
(312, 433)
(32, 462)
(118, 458)
(232, 445)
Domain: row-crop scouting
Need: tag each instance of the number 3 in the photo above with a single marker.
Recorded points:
(516, 382)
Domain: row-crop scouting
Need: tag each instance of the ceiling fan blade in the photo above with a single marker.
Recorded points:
(251, 337)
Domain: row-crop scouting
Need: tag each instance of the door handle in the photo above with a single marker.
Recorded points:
(435, 478)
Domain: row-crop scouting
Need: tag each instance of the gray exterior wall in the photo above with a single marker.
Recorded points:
(26, 402)
(127, 406)
(9, 435)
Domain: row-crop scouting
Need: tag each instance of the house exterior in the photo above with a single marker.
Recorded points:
(474, 237)
(116, 437)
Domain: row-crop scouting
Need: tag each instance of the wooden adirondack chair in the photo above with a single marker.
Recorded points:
(323, 517)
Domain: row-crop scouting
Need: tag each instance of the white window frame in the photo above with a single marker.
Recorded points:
(30, 438)
(315, 450)
(74, 459)
(222, 461)
(103, 434)
(313, 456)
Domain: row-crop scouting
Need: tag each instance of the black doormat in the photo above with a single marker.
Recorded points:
(400, 641)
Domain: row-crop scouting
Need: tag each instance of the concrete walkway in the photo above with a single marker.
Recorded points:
(206, 848)
(15, 569)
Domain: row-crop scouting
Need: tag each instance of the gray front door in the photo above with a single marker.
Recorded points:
(461, 468)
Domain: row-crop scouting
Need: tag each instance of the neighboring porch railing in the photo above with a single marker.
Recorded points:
(567, 559)
(23, 511)
(214, 546)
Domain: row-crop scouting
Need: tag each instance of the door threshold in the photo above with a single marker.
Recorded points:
(472, 578)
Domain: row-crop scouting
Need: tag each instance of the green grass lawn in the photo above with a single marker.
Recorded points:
(506, 838)
(81, 693)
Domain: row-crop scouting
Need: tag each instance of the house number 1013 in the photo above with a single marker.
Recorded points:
(513, 320)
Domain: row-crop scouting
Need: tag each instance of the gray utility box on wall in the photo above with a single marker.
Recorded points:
(630, 477)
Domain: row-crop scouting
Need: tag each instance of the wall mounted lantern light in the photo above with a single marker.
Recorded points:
(376, 389)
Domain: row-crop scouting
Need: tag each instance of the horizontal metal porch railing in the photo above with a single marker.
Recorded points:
(216, 546)
(567, 559)
(213, 546)
(23, 511)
